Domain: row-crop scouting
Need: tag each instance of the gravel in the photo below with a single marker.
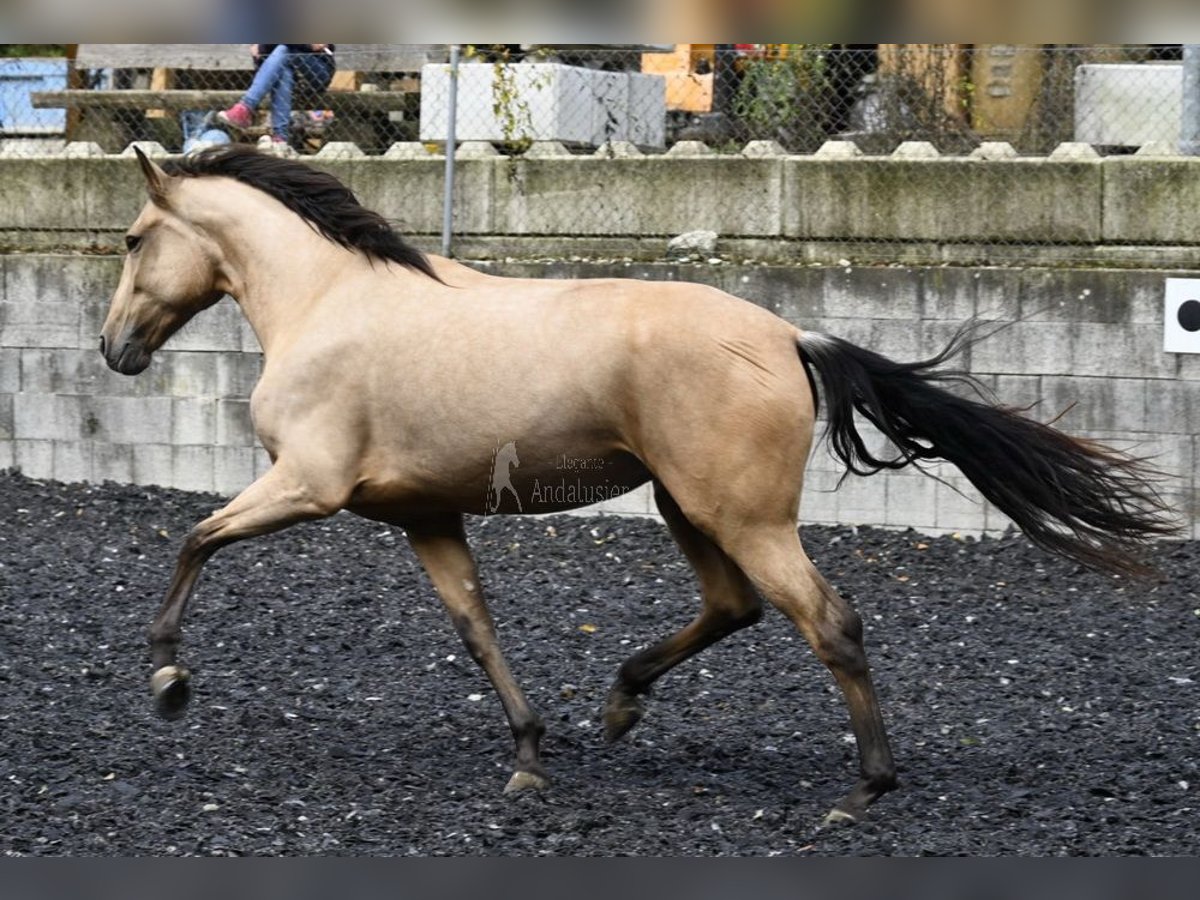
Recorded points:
(1034, 708)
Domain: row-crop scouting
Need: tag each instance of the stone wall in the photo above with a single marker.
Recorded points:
(1089, 337)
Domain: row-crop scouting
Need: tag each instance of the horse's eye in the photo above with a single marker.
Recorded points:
(132, 242)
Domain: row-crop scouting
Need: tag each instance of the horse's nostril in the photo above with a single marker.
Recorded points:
(103, 346)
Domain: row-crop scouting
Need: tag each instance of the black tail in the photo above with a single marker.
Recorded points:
(1070, 496)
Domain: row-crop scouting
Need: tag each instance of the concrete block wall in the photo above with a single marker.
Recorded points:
(64, 415)
(1088, 337)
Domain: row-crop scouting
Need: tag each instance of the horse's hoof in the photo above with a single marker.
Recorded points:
(838, 817)
(526, 781)
(172, 689)
(621, 713)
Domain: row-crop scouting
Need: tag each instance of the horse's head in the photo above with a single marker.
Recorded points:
(170, 275)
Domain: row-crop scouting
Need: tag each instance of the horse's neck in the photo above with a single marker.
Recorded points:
(277, 270)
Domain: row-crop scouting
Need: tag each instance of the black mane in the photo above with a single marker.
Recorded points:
(317, 197)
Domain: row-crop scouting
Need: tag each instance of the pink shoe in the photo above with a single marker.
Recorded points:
(238, 116)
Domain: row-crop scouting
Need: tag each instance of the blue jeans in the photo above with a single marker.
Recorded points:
(277, 75)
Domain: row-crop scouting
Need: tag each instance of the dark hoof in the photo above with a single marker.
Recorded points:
(621, 713)
(837, 818)
(172, 690)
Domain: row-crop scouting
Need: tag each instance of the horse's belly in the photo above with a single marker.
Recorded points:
(507, 483)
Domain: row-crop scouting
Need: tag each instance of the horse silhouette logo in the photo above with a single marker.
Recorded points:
(502, 459)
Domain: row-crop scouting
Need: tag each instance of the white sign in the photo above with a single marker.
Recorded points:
(1181, 316)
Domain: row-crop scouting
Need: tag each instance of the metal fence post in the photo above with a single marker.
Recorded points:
(1189, 130)
(448, 197)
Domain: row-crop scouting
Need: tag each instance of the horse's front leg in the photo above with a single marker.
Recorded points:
(276, 500)
(442, 548)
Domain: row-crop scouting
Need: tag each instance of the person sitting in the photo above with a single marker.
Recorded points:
(278, 67)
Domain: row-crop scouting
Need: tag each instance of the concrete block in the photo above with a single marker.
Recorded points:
(113, 462)
(872, 292)
(1088, 405)
(1126, 104)
(193, 421)
(127, 420)
(41, 325)
(990, 150)
(1171, 408)
(819, 501)
(1120, 350)
(8, 454)
(192, 468)
(234, 426)
(407, 150)
(217, 328)
(237, 375)
(7, 425)
(838, 150)
(1042, 348)
(544, 102)
(1151, 201)
(795, 293)
(997, 293)
(409, 192)
(187, 373)
(862, 501)
(35, 458)
(948, 199)
(638, 502)
(1073, 151)
(573, 196)
(947, 293)
(46, 193)
(48, 417)
(910, 500)
(915, 150)
(67, 371)
(233, 469)
(72, 461)
(959, 507)
(10, 371)
(1025, 392)
(1078, 295)
(152, 464)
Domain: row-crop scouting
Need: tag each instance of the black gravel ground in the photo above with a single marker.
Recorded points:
(1034, 708)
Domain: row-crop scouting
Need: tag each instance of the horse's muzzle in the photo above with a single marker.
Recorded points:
(129, 357)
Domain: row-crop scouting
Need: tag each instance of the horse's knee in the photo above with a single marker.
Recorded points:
(838, 642)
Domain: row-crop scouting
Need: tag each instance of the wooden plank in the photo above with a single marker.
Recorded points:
(940, 70)
(161, 80)
(237, 58)
(343, 101)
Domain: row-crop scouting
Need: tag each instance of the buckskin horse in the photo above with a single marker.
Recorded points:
(390, 378)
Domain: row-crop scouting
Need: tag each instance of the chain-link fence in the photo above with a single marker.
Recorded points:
(688, 101)
(800, 95)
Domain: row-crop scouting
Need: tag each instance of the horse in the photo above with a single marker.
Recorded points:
(505, 457)
(391, 376)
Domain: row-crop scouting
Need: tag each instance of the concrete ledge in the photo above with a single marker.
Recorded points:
(955, 209)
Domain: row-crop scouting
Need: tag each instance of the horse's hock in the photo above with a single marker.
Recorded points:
(1090, 332)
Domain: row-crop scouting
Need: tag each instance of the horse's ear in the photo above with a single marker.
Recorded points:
(156, 179)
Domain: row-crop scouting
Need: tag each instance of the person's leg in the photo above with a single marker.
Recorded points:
(281, 99)
(268, 73)
(241, 114)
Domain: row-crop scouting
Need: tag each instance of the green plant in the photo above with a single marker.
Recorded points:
(785, 99)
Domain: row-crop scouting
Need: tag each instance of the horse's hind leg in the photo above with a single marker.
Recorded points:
(442, 548)
(730, 603)
(774, 560)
